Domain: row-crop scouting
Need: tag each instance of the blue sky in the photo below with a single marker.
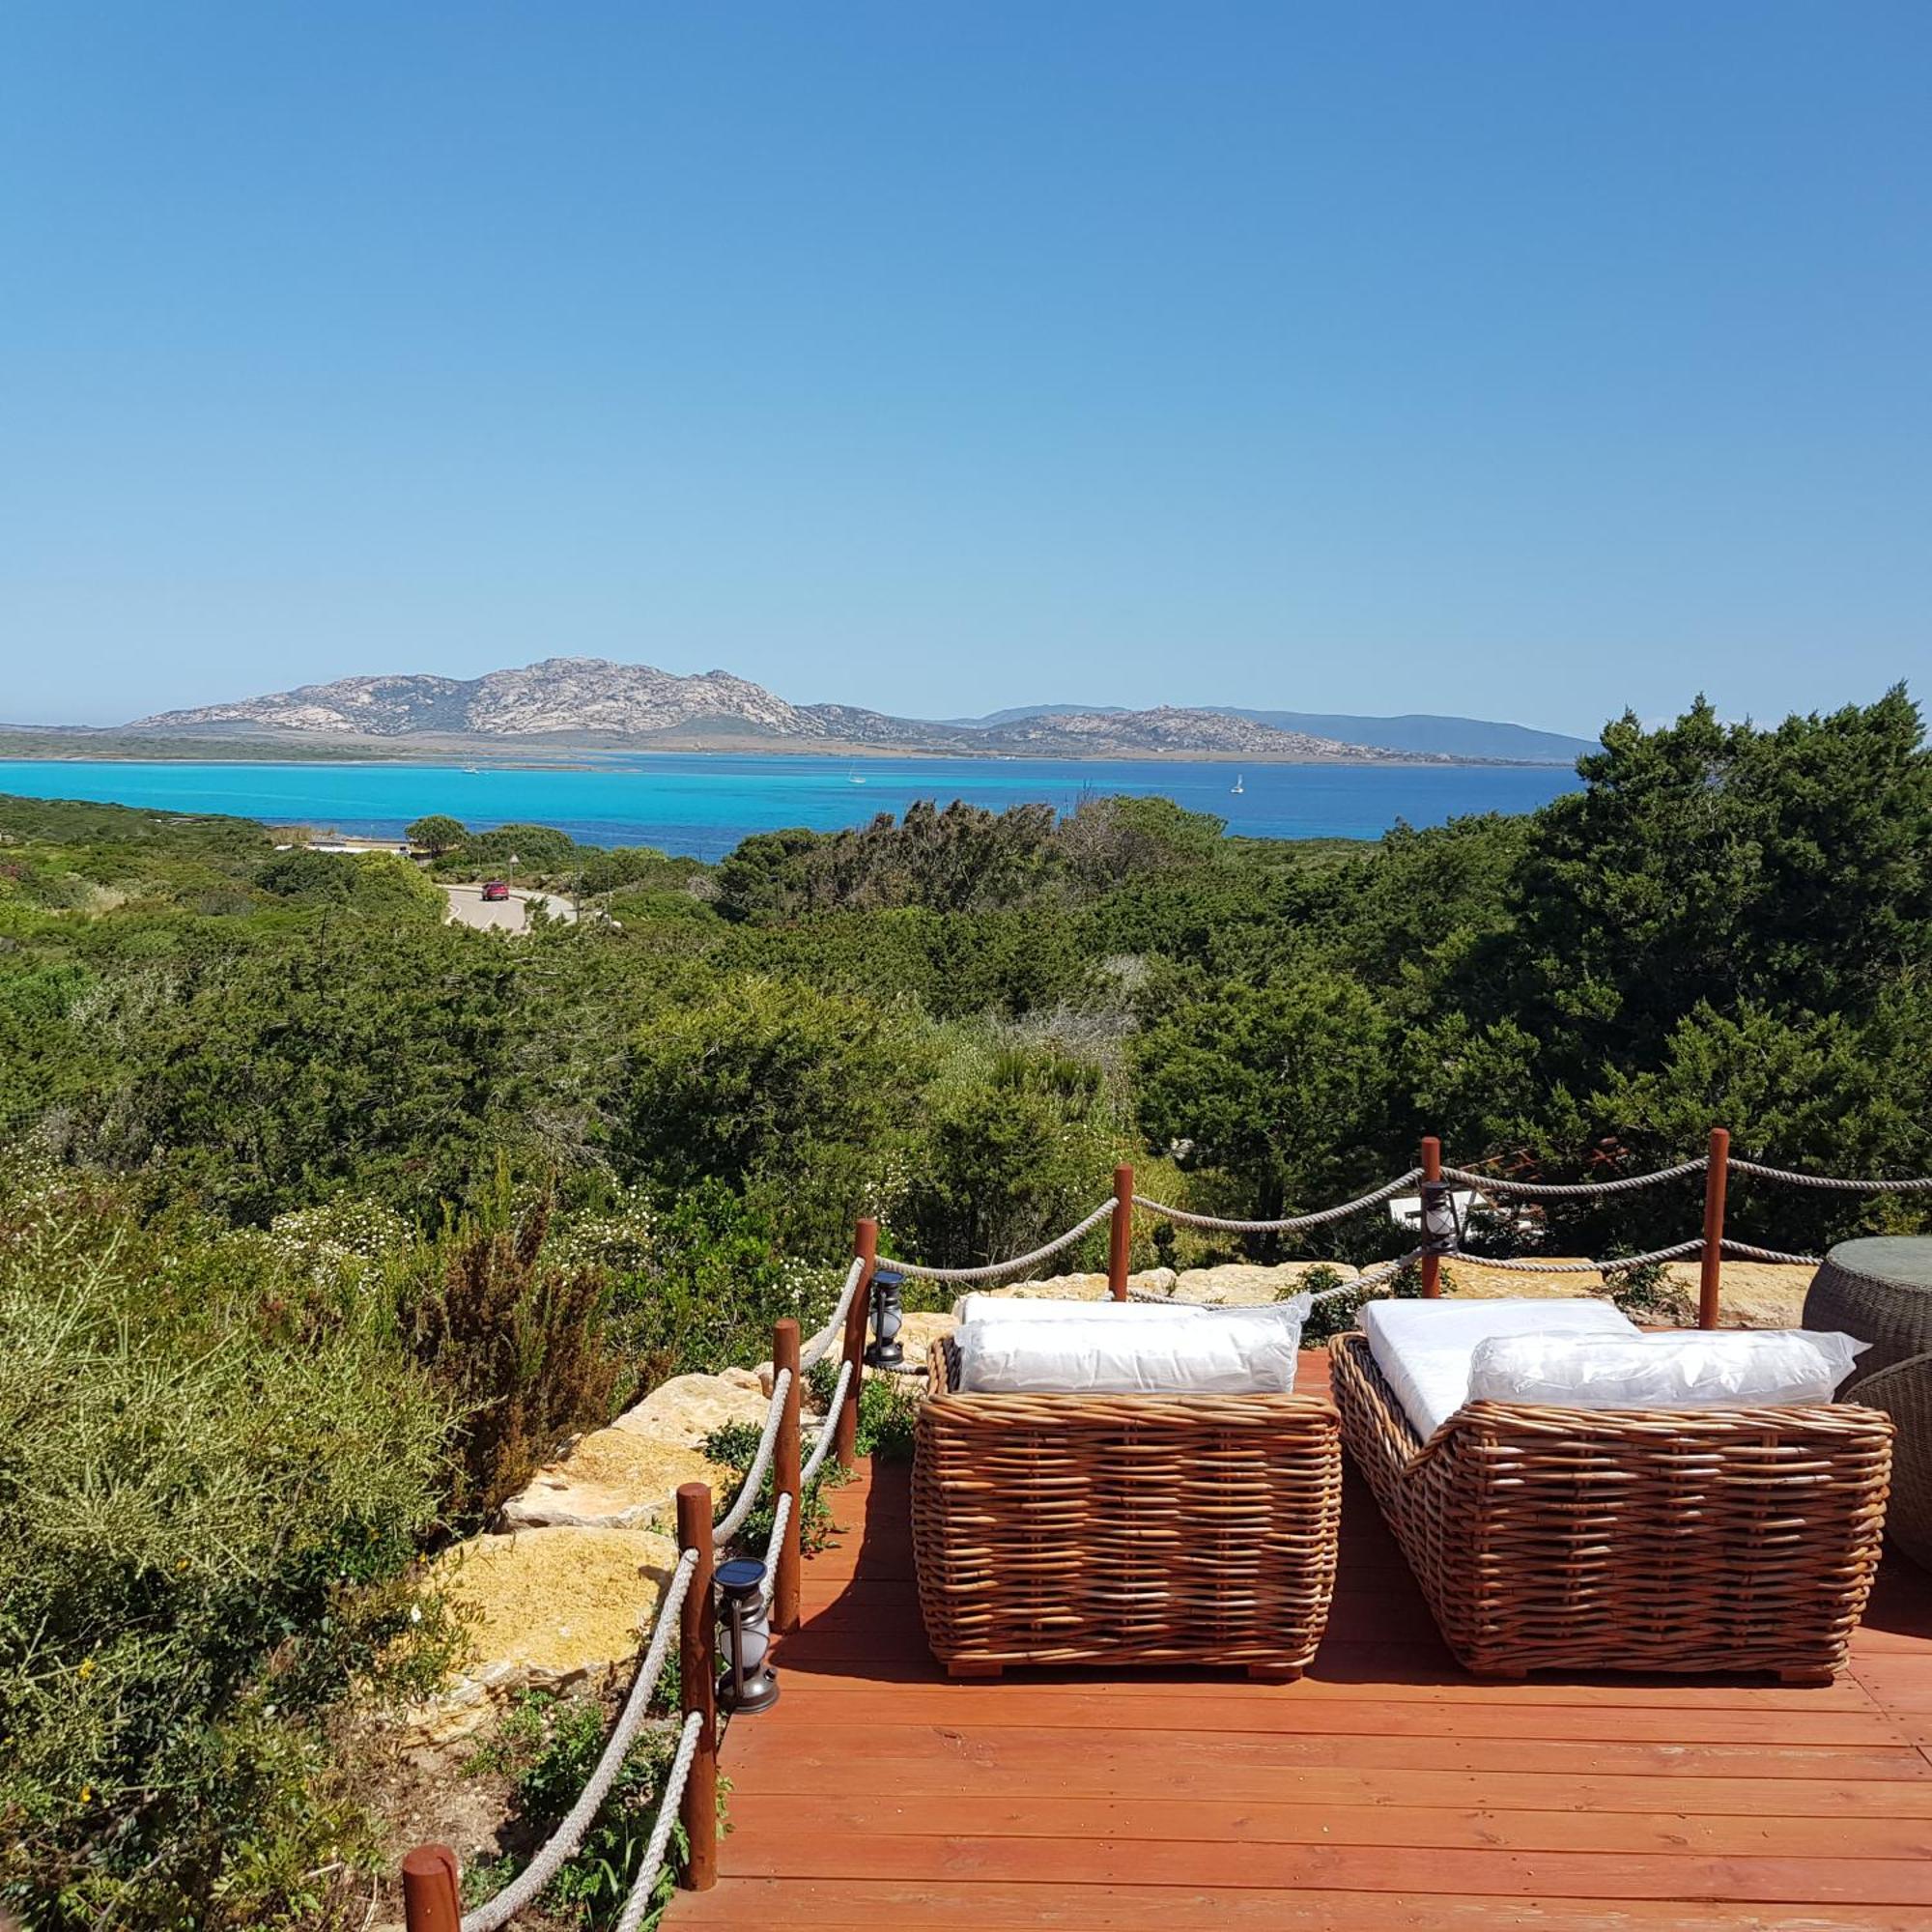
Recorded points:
(1528, 360)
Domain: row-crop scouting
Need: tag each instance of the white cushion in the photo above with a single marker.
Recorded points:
(1254, 1356)
(1003, 1308)
(1424, 1347)
(1738, 1368)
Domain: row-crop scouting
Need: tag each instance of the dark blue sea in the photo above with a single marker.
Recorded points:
(703, 804)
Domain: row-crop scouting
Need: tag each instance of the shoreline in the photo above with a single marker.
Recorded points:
(592, 758)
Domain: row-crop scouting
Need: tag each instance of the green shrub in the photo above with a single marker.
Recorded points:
(549, 1746)
(205, 1533)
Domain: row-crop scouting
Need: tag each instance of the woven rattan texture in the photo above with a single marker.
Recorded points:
(1552, 1539)
(1117, 1530)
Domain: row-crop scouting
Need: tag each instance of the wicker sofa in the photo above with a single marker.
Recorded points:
(1560, 1539)
(1123, 1529)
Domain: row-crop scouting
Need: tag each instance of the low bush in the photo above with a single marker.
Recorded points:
(204, 1535)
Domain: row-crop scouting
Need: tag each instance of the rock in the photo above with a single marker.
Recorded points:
(749, 1379)
(1751, 1294)
(686, 1408)
(1249, 1284)
(551, 1607)
(547, 1608)
(1076, 1287)
(613, 1479)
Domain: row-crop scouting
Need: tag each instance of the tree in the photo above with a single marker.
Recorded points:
(436, 834)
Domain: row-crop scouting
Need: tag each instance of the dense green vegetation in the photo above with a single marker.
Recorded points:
(303, 1179)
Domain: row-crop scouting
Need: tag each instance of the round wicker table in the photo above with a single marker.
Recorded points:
(1879, 1291)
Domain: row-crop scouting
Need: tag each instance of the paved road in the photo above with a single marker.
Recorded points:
(468, 907)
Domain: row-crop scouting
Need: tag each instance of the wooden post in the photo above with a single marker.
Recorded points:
(865, 1246)
(1432, 1174)
(697, 1678)
(1120, 1233)
(786, 1478)
(1711, 1268)
(430, 1891)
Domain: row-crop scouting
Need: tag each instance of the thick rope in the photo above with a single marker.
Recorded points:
(829, 1428)
(993, 1271)
(836, 1327)
(562, 1844)
(733, 1519)
(775, 1542)
(1287, 1225)
(637, 1906)
(1753, 1254)
(1489, 1183)
(1616, 1264)
(1920, 1185)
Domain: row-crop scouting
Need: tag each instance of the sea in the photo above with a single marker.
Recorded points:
(702, 805)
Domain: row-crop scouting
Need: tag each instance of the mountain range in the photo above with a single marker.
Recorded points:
(597, 704)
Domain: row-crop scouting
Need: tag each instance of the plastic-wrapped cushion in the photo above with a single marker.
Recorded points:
(1006, 1308)
(1424, 1347)
(1740, 1368)
(1251, 1356)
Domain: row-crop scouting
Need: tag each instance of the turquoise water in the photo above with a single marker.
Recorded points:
(704, 806)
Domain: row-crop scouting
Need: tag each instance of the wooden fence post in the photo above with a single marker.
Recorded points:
(431, 1900)
(698, 1680)
(1711, 1266)
(786, 1478)
(864, 1245)
(1432, 1179)
(1120, 1233)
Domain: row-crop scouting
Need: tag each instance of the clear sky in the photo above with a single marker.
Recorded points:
(1529, 360)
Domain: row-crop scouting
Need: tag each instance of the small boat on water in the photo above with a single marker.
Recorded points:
(1238, 788)
(853, 777)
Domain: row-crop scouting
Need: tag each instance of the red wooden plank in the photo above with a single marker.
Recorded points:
(992, 1705)
(884, 1809)
(826, 1744)
(749, 1905)
(761, 1850)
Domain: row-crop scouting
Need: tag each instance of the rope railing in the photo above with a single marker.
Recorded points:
(994, 1270)
(1751, 1254)
(828, 1428)
(1615, 1264)
(637, 1906)
(814, 1351)
(1919, 1184)
(1284, 1225)
(523, 1891)
(1560, 1190)
(733, 1519)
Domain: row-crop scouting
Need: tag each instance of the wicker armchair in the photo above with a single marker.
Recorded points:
(1904, 1392)
(1123, 1529)
(1652, 1540)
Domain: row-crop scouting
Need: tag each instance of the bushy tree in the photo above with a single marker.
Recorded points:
(436, 834)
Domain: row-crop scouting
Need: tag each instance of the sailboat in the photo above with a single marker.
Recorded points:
(1238, 788)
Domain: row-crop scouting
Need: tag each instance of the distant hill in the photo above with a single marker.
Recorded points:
(593, 702)
(1461, 738)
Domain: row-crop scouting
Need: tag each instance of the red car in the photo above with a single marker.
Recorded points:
(496, 889)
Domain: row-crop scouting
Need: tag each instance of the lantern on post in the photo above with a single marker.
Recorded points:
(744, 1623)
(887, 1319)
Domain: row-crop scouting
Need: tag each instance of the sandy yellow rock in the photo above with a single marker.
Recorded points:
(686, 1408)
(557, 1606)
(613, 1479)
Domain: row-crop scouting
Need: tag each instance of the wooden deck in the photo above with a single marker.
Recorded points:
(1386, 1790)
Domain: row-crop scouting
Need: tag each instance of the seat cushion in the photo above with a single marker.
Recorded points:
(1737, 1368)
(1424, 1347)
(1253, 1357)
